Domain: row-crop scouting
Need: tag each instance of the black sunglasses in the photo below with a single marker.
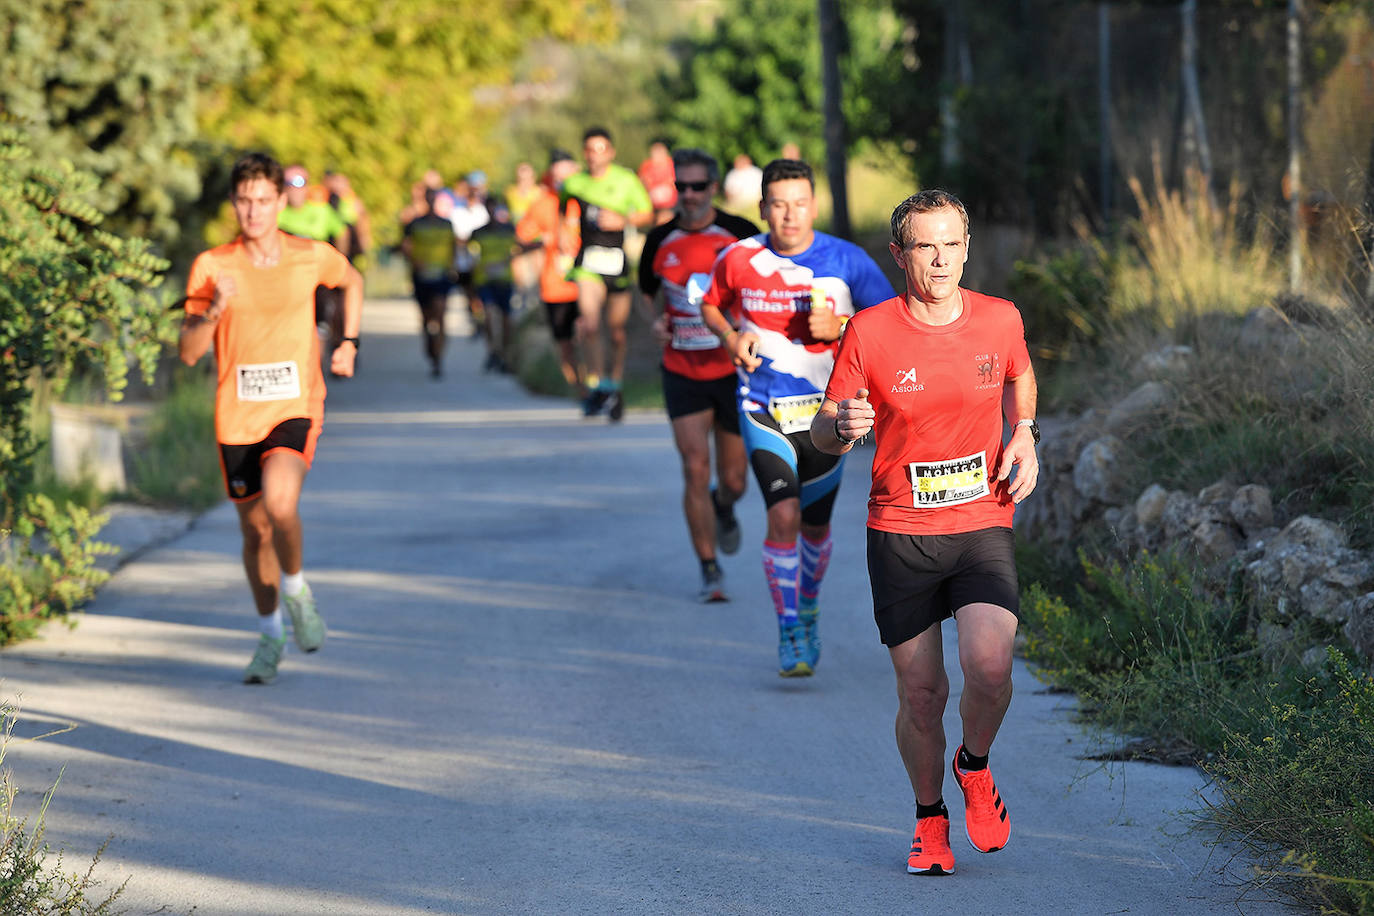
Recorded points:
(697, 186)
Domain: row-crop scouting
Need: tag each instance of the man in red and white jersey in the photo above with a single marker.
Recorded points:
(933, 374)
(698, 375)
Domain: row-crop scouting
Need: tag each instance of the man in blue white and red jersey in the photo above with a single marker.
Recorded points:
(698, 375)
(779, 301)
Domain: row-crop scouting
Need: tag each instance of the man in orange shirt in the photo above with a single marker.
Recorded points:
(253, 299)
(539, 228)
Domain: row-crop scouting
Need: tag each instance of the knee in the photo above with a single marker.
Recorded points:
(923, 705)
(617, 332)
(281, 511)
(257, 531)
(988, 673)
(696, 470)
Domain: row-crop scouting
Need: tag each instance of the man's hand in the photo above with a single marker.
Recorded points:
(746, 351)
(1020, 453)
(342, 359)
(662, 330)
(610, 221)
(854, 419)
(823, 323)
(226, 288)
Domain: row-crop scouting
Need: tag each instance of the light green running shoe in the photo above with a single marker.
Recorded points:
(263, 668)
(307, 626)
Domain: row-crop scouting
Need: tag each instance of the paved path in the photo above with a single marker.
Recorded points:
(521, 709)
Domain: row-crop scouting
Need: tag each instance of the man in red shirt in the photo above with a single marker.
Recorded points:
(933, 373)
(698, 375)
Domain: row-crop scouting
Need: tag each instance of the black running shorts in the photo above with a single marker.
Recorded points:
(920, 580)
(562, 318)
(242, 464)
(683, 396)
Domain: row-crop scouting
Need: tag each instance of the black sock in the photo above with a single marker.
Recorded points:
(721, 511)
(936, 810)
(968, 763)
(709, 567)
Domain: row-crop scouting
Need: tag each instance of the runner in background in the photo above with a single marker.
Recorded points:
(610, 199)
(540, 230)
(495, 243)
(656, 174)
(698, 375)
(309, 216)
(430, 247)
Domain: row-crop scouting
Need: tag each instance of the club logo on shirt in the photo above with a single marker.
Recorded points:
(671, 259)
(989, 367)
(906, 382)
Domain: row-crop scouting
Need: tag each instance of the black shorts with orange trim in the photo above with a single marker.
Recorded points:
(919, 580)
(683, 395)
(562, 318)
(242, 464)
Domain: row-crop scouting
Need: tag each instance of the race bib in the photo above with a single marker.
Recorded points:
(269, 381)
(691, 333)
(794, 413)
(609, 262)
(938, 484)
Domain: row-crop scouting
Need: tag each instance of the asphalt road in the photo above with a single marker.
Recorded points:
(522, 709)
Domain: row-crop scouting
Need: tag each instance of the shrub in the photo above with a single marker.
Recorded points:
(47, 565)
(179, 465)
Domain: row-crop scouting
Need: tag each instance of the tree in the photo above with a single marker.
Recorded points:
(113, 87)
(71, 295)
(382, 90)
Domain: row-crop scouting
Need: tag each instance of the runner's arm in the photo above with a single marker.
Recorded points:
(1018, 403)
(852, 417)
(342, 359)
(198, 327)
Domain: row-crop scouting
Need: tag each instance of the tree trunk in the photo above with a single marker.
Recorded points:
(1196, 121)
(1104, 109)
(957, 72)
(1295, 244)
(836, 154)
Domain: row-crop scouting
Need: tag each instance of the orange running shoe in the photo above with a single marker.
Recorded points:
(985, 817)
(930, 852)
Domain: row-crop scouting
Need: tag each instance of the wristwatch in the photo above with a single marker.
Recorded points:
(1034, 428)
(358, 345)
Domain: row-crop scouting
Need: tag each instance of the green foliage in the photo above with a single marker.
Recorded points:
(72, 297)
(383, 90)
(113, 88)
(179, 465)
(749, 80)
(47, 564)
(29, 885)
(1298, 786)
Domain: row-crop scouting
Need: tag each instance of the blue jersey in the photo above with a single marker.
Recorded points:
(772, 296)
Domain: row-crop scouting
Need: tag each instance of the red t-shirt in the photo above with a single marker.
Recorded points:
(937, 392)
(671, 257)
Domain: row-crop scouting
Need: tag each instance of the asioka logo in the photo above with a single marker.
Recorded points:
(906, 382)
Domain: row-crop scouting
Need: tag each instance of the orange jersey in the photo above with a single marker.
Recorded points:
(266, 347)
(541, 223)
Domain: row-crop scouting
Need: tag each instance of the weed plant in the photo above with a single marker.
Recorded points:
(31, 884)
(179, 465)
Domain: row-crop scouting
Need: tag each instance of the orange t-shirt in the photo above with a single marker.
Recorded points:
(540, 223)
(266, 347)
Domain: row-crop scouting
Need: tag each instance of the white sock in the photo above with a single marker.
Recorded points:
(271, 625)
(293, 583)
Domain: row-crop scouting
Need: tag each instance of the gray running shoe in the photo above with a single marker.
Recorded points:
(712, 587)
(263, 668)
(307, 626)
(811, 628)
(615, 406)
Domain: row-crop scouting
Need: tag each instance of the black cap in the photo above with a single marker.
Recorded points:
(559, 155)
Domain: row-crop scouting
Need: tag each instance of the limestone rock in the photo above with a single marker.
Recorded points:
(1313, 533)
(1166, 361)
(1150, 505)
(1359, 627)
(1216, 542)
(1142, 403)
(1097, 473)
(1252, 508)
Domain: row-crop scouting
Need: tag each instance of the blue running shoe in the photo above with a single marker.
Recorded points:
(811, 628)
(792, 650)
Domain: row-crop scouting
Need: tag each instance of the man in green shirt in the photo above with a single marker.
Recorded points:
(610, 197)
(315, 219)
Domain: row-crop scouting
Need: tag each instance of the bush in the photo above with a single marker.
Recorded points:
(1298, 786)
(47, 565)
(179, 465)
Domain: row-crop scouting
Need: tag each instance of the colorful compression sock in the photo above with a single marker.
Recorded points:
(780, 568)
(815, 557)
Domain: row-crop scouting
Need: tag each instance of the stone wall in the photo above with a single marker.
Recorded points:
(1299, 570)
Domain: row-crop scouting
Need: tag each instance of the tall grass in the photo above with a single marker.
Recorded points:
(179, 465)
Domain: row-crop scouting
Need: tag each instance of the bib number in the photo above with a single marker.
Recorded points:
(269, 381)
(938, 484)
(609, 262)
(691, 333)
(794, 413)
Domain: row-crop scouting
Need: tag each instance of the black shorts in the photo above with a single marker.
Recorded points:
(242, 464)
(683, 396)
(789, 466)
(496, 295)
(920, 580)
(431, 294)
(562, 317)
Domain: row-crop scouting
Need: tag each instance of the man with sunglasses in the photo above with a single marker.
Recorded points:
(610, 198)
(698, 375)
(788, 293)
